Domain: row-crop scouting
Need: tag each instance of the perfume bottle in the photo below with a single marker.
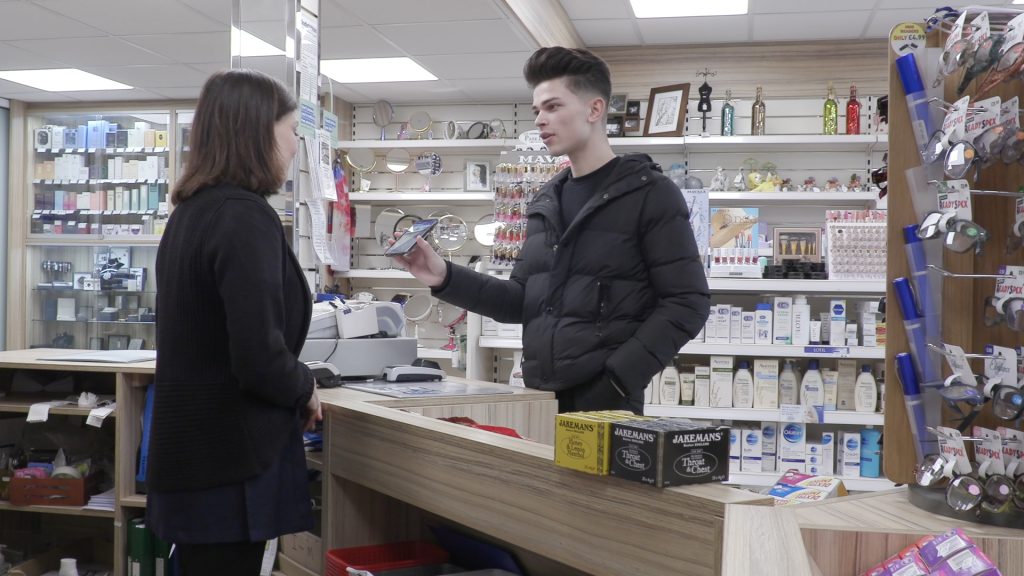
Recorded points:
(853, 112)
(831, 112)
(728, 115)
(757, 114)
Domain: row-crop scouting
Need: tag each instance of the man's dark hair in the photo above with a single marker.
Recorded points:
(232, 139)
(584, 72)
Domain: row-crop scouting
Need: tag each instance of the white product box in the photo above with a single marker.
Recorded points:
(747, 327)
(793, 446)
(828, 453)
(766, 384)
(736, 325)
(769, 446)
(721, 381)
(510, 330)
(723, 323)
(847, 384)
(782, 318)
(837, 324)
(813, 458)
(869, 329)
(851, 333)
(711, 327)
(849, 466)
(702, 386)
(830, 384)
(488, 327)
(752, 450)
(735, 449)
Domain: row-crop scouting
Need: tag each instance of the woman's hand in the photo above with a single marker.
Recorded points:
(422, 262)
(313, 412)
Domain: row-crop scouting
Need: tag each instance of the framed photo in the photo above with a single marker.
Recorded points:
(632, 108)
(614, 126)
(617, 104)
(80, 279)
(118, 341)
(96, 343)
(797, 244)
(666, 110)
(136, 343)
(478, 175)
(631, 126)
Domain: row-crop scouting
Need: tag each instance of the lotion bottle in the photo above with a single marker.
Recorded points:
(743, 386)
(865, 391)
(788, 386)
(812, 388)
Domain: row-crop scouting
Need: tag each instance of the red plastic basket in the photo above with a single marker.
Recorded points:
(381, 557)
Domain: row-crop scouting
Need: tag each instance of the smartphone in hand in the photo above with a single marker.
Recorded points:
(407, 242)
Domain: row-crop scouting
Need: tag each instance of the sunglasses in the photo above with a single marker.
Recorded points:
(961, 235)
(1015, 239)
(986, 56)
(1008, 309)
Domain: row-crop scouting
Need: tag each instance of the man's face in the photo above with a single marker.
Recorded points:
(566, 120)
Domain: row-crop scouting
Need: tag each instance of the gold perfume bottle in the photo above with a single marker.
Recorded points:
(831, 112)
(757, 114)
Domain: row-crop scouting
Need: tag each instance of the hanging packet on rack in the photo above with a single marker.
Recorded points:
(957, 199)
(959, 364)
(989, 450)
(1004, 367)
(951, 445)
(985, 118)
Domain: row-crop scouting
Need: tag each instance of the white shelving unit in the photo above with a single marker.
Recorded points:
(433, 354)
(823, 199)
(764, 351)
(760, 415)
(422, 198)
(857, 484)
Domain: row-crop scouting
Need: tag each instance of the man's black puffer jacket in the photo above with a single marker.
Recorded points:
(620, 291)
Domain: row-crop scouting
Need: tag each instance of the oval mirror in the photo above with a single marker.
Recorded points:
(406, 222)
(384, 225)
(397, 160)
(418, 307)
(428, 164)
(420, 122)
(451, 130)
(496, 128)
(451, 233)
(485, 230)
(477, 130)
(361, 159)
(383, 113)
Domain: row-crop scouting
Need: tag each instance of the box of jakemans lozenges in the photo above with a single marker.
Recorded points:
(669, 452)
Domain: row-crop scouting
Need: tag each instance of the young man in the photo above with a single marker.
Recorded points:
(609, 284)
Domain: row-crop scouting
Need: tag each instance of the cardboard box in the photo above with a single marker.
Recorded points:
(793, 446)
(769, 446)
(752, 450)
(721, 381)
(669, 452)
(304, 549)
(583, 439)
(702, 386)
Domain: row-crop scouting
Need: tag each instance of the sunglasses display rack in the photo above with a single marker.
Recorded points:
(953, 437)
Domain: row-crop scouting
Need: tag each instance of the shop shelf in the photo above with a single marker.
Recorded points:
(821, 287)
(157, 150)
(447, 197)
(61, 510)
(759, 415)
(434, 354)
(21, 404)
(91, 181)
(857, 484)
(803, 199)
(376, 274)
(91, 240)
(467, 145)
(495, 342)
(134, 501)
(775, 351)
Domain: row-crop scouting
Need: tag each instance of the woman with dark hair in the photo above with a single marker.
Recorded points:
(226, 469)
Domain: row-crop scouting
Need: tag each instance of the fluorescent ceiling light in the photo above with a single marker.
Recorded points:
(251, 45)
(61, 80)
(361, 70)
(683, 8)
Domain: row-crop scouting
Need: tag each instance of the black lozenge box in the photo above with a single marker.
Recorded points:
(669, 452)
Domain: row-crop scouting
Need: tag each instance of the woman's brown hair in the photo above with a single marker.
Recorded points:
(232, 140)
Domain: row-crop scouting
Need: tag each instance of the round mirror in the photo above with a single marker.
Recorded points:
(418, 307)
(383, 113)
(406, 222)
(397, 160)
(384, 225)
(451, 233)
(428, 164)
(496, 128)
(485, 230)
(477, 130)
(451, 130)
(420, 123)
(361, 159)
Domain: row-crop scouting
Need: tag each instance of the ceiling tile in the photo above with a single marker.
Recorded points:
(483, 65)
(355, 42)
(348, 94)
(333, 16)
(497, 90)
(927, 7)
(178, 93)
(704, 29)
(411, 92)
(882, 21)
(590, 10)
(455, 37)
(140, 16)
(114, 95)
(620, 32)
(802, 6)
(773, 27)
(210, 67)
(188, 48)
(220, 10)
(39, 96)
(17, 59)
(418, 11)
(273, 32)
(17, 15)
(151, 76)
(106, 51)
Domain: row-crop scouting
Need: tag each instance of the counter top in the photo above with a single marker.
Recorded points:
(35, 359)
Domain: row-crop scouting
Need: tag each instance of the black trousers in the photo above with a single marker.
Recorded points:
(232, 559)
(598, 394)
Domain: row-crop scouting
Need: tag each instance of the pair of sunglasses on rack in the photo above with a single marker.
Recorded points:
(977, 490)
(1007, 310)
(960, 235)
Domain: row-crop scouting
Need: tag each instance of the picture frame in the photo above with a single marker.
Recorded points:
(80, 281)
(118, 342)
(613, 128)
(631, 126)
(803, 244)
(666, 110)
(96, 343)
(617, 104)
(478, 176)
(632, 109)
(136, 343)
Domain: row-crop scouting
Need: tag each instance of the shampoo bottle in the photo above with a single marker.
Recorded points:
(870, 453)
(743, 387)
(812, 387)
(865, 391)
(801, 321)
(670, 387)
(763, 324)
(788, 385)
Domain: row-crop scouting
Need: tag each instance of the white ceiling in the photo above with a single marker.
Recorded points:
(166, 48)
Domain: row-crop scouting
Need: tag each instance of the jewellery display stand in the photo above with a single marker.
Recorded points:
(962, 299)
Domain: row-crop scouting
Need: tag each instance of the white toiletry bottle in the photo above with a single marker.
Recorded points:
(865, 391)
(743, 386)
(801, 321)
(670, 386)
(812, 387)
(763, 324)
(788, 386)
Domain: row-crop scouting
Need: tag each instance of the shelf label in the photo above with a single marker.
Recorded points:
(838, 351)
(791, 413)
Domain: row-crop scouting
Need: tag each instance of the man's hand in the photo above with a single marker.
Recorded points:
(423, 263)
(313, 412)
